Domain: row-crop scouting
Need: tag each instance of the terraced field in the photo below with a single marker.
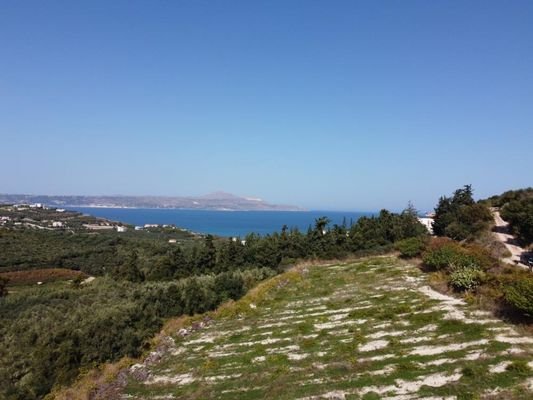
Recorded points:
(366, 330)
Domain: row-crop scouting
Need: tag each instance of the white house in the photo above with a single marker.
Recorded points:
(427, 222)
(172, 240)
(121, 228)
(57, 224)
(97, 227)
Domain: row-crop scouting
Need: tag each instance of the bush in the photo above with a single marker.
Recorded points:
(442, 255)
(229, 286)
(460, 217)
(519, 214)
(410, 247)
(519, 294)
(447, 254)
(466, 278)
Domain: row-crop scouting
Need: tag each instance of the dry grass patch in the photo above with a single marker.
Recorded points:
(32, 277)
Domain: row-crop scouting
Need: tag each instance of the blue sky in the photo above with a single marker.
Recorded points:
(353, 105)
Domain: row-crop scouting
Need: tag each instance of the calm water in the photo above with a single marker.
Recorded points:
(223, 223)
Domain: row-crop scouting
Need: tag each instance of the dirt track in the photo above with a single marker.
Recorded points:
(503, 235)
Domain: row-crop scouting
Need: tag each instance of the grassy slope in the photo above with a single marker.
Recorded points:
(362, 330)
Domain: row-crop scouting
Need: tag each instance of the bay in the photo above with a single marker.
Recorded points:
(222, 223)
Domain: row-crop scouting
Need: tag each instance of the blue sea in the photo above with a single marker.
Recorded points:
(222, 223)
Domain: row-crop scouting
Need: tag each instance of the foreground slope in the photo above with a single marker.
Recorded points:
(371, 329)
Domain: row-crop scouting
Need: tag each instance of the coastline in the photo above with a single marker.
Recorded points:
(182, 208)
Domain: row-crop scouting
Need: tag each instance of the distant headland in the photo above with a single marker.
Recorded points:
(214, 201)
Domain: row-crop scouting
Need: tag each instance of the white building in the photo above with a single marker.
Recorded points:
(172, 240)
(96, 227)
(121, 228)
(57, 224)
(427, 222)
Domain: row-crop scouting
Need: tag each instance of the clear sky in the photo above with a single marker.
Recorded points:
(354, 105)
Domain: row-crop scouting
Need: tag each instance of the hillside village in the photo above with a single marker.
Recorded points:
(40, 216)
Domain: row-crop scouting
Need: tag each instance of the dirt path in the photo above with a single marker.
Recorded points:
(503, 235)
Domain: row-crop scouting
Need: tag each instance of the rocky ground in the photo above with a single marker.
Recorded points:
(367, 330)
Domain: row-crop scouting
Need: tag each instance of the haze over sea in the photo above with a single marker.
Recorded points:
(222, 223)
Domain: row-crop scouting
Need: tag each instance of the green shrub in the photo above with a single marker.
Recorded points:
(410, 247)
(460, 217)
(519, 214)
(465, 278)
(443, 255)
(451, 255)
(519, 294)
(229, 285)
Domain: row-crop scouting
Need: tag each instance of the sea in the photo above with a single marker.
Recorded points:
(222, 223)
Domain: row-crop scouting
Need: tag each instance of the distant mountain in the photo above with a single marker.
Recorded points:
(219, 196)
(212, 201)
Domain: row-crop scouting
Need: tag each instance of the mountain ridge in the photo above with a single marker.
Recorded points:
(219, 200)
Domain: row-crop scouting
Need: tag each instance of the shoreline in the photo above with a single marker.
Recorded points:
(183, 208)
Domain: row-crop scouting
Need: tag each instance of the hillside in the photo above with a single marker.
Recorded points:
(372, 329)
(516, 208)
(50, 238)
(213, 201)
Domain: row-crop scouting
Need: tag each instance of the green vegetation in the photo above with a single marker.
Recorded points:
(51, 332)
(448, 254)
(507, 197)
(460, 217)
(474, 268)
(411, 247)
(468, 267)
(466, 278)
(519, 293)
(516, 208)
(519, 214)
(92, 253)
